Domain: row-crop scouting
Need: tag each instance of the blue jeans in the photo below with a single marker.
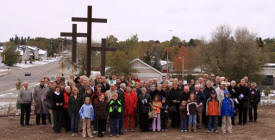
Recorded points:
(114, 126)
(213, 120)
(183, 123)
(192, 120)
(121, 120)
(74, 122)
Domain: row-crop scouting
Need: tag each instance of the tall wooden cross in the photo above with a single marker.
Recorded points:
(103, 50)
(74, 36)
(89, 20)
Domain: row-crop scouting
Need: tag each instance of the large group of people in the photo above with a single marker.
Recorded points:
(123, 104)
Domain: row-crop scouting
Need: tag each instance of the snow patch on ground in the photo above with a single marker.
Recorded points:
(37, 63)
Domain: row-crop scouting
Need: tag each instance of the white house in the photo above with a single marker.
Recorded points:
(145, 71)
(269, 71)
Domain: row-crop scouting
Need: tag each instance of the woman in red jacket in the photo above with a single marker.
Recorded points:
(129, 109)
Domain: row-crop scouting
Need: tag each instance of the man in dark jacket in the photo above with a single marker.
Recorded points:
(255, 98)
(174, 99)
(233, 91)
(121, 97)
(105, 85)
(144, 100)
(244, 102)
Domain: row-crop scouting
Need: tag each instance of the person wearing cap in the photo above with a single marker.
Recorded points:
(213, 111)
(227, 112)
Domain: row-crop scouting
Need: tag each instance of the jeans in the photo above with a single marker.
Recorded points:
(156, 123)
(192, 120)
(183, 124)
(242, 115)
(57, 120)
(114, 126)
(25, 109)
(144, 121)
(101, 125)
(74, 122)
(43, 118)
(254, 107)
(213, 120)
(121, 119)
(66, 119)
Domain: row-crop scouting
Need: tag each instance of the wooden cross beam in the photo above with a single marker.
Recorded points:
(103, 49)
(74, 36)
(89, 20)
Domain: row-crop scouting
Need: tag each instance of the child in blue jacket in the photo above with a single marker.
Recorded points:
(86, 113)
(227, 112)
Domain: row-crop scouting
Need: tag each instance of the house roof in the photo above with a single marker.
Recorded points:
(152, 68)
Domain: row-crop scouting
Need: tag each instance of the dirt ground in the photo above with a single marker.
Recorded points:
(264, 129)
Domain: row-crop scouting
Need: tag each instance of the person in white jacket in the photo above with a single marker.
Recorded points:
(220, 91)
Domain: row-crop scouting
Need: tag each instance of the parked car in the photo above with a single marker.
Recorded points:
(28, 73)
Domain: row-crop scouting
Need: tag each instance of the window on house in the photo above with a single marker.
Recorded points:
(268, 81)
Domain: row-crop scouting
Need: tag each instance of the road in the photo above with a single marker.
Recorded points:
(7, 82)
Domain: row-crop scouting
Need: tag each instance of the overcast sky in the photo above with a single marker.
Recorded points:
(150, 19)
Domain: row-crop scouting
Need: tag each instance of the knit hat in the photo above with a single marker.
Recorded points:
(212, 92)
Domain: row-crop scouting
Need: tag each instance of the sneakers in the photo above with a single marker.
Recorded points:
(84, 136)
(111, 135)
(181, 131)
(117, 135)
(72, 134)
(216, 131)
(208, 131)
(224, 132)
(91, 136)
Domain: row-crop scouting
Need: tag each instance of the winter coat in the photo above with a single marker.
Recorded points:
(39, 97)
(25, 96)
(183, 111)
(207, 95)
(95, 97)
(74, 105)
(121, 97)
(213, 107)
(115, 108)
(49, 98)
(87, 111)
(144, 103)
(227, 107)
(153, 94)
(156, 106)
(192, 107)
(130, 103)
(184, 96)
(220, 94)
(164, 111)
(174, 94)
(105, 87)
(233, 92)
(66, 100)
(58, 98)
(243, 96)
(255, 96)
(101, 110)
(200, 97)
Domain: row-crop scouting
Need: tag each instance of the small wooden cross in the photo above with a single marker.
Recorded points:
(103, 49)
(89, 20)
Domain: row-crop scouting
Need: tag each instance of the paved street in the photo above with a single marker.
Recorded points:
(7, 82)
